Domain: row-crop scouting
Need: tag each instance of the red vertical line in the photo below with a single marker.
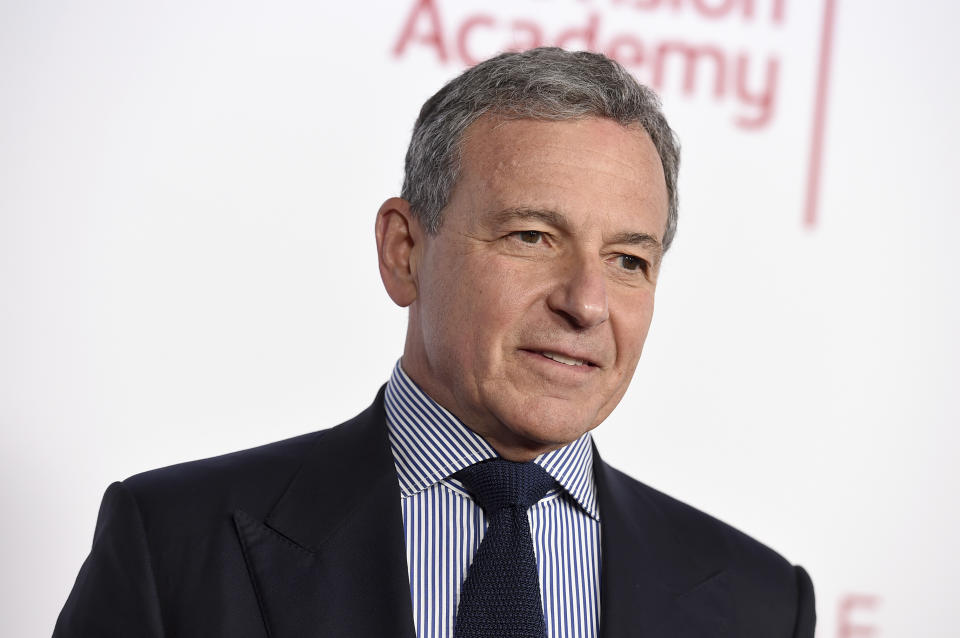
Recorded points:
(819, 116)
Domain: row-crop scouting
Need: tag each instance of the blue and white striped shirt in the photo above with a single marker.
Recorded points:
(443, 526)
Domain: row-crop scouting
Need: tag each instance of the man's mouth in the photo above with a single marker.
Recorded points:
(570, 361)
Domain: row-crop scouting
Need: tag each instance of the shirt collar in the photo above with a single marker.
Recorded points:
(429, 444)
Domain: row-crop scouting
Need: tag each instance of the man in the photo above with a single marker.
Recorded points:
(538, 201)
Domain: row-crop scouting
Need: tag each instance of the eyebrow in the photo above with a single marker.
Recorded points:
(546, 216)
(558, 220)
(639, 239)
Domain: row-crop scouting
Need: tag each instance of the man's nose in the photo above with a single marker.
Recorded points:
(581, 293)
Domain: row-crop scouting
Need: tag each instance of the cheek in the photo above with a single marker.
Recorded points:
(632, 317)
(497, 297)
(496, 306)
(465, 309)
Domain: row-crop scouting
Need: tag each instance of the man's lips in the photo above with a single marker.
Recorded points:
(572, 359)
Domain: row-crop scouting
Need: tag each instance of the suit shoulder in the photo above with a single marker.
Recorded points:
(757, 568)
(194, 497)
(247, 479)
(766, 594)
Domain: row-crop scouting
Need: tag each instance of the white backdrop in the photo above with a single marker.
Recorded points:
(187, 265)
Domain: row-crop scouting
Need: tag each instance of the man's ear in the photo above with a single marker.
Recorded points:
(399, 242)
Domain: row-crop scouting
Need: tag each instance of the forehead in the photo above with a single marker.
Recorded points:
(584, 165)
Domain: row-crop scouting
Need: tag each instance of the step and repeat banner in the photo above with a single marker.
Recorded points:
(188, 267)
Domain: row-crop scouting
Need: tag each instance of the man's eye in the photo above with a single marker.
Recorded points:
(629, 262)
(529, 236)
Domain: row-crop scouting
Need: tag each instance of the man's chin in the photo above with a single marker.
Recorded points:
(543, 428)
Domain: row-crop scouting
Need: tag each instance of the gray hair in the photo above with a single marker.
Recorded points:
(545, 84)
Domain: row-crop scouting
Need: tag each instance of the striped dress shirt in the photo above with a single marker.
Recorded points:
(443, 526)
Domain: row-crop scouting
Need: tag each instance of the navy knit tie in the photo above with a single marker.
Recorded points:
(501, 595)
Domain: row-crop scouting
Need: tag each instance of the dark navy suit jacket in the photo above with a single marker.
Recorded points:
(304, 538)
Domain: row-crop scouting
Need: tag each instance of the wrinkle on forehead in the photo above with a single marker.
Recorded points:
(490, 152)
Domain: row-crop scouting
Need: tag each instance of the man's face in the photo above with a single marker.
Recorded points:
(534, 299)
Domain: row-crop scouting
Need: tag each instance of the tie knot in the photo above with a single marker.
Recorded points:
(499, 483)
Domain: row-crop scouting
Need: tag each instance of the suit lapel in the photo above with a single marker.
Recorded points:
(653, 584)
(330, 559)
